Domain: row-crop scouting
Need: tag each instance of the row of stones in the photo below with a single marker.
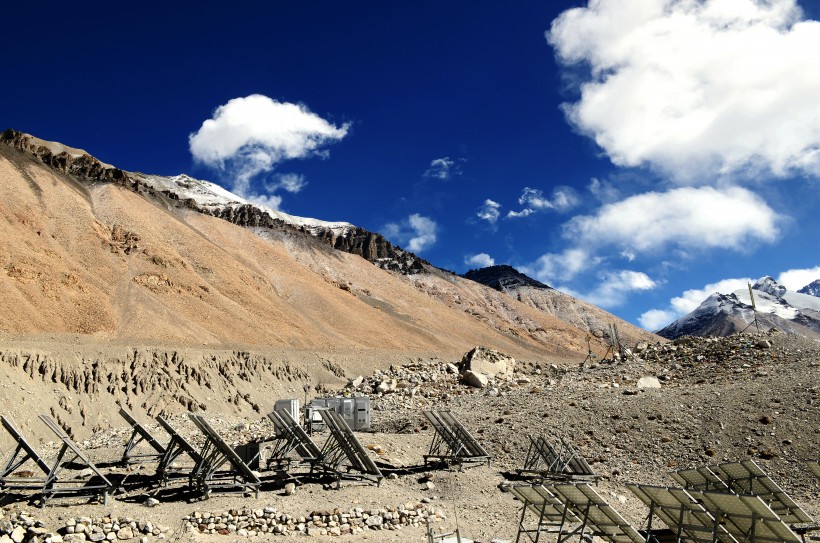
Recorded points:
(251, 522)
(111, 529)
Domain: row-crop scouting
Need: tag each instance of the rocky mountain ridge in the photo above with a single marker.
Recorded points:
(341, 236)
(774, 307)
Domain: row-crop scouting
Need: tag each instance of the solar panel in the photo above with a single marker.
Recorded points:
(214, 454)
(452, 441)
(99, 489)
(701, 478)
(294, 437)
(814, 466)
(595, 512)
(746, 477)
(139, 433)
(176, 447)
(342, 445)
(543, 460)
(543, 503)
(682, 514)
(22, 446)
(747, 518)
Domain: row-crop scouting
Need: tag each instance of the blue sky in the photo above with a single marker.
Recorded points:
(636, 153)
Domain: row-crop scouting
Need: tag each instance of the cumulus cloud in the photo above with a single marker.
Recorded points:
(798, 278)
(443, 168)
(416, 232)
(655, 319)
(696, 86)
(553, 267)
(690, 218)
(563, 199)
(489, 211)
(614, 287)
(480, 260)
(249, 136)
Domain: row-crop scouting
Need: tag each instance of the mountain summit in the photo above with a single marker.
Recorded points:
(812, 289)
(774, 306)
(503, 278)
(594, 320)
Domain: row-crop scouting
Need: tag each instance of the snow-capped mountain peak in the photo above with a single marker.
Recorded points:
(768, 285)
(727, 313)
(812, 289)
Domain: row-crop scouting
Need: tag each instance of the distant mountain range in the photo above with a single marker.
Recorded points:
(777, 307)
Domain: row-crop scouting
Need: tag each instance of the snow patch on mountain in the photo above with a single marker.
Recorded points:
(211, 196)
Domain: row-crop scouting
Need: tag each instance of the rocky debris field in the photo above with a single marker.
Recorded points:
(635, 417)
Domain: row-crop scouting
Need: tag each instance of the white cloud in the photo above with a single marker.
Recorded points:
(270, 200)
(290, 182)
(603, 190)
(563, 199)
(655, 319)
(489, 211)
(615, 286)
(416, 232)
(697, 87)
(798, 278)
(443, 168)
(691, 218)
(480, 260)
(553, 267)
(251, 135)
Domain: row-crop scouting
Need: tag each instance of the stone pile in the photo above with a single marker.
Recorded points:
(111, 529)
(248, 522)
(22, 528)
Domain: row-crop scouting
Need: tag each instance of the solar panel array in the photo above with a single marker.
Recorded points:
(747, 518)
(452, 441)
(342, 445)
(565, 463)
(596, 514)
(214, 454)
(681, 513)
(744, 477)
(293, 438)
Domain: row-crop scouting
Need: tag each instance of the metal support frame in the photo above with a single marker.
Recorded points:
(550, 513)
(292, 437)
(206, 476)
(745, 478)
(177, 446)
(452, 442)
(564, 464)
(341, 446)
(53, 484)
(139, 434)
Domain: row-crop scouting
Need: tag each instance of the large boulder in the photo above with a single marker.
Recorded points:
(474, 379)
(488, 362)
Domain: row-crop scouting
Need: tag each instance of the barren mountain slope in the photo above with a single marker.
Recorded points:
(578, 313)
